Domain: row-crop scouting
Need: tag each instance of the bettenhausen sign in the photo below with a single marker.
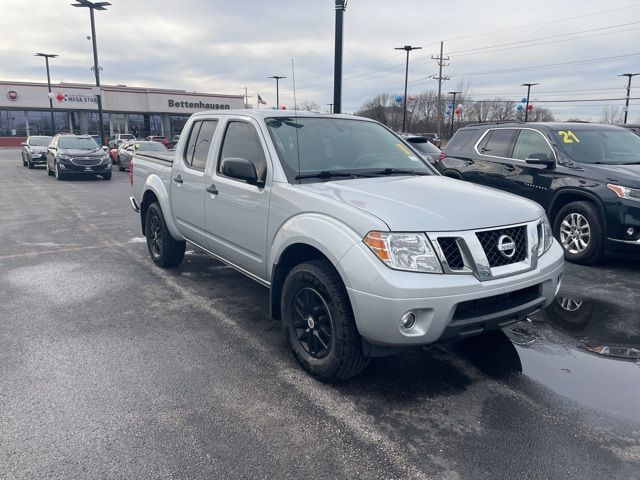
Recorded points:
(204, 105)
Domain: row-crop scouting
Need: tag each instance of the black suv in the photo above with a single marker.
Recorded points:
(586, 176)
(77, 155)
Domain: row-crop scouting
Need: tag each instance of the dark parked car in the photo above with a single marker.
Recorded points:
(127, 150)
(34, 151)
(586, 176)
(634, 127)
(425, 147)
(77, 155)
(433, 138)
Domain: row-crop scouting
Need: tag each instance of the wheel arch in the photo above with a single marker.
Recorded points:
(569, 195)
(155, 190)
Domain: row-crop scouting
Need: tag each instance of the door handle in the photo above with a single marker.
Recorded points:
(178, 179)
(509, 168)
(212, 189)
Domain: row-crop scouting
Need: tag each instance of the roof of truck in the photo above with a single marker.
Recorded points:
(277, 113)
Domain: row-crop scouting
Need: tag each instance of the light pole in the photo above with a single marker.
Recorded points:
(406, 48)
(47, 56)
(278, 78)
(96, 69)
(626, 105)
(341, 6)
(453, 112)
(526, 108)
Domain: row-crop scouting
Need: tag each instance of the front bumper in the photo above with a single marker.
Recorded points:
(70, 168)
(38, 159)
(621, 215)
(442, 303)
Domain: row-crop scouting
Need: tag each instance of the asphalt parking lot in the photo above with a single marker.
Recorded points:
(113, 368)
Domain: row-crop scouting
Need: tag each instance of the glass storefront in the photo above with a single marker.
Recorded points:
(94, 123)
(13, 123)
(144, 125)
(176, 123)
(40, 122)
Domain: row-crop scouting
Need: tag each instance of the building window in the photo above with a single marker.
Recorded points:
(136, 125)
(40, 122)
(12, 123)
(155, 124)
(176, 124)
(94, 124)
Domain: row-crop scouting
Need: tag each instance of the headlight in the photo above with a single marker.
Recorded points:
(625, 192)
(404, 251)
(64, 157)
(545, 236)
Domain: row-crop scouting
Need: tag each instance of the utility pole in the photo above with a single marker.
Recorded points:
(96, 68)
(278, 78)
(526, 108)
(341, 6)
(246, 98)
(442, 62)
(408, 49)
(626, 105)
(330, 107)
(453, 110)
(47, 56)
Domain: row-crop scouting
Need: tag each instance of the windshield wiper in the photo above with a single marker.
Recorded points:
(326, 174)
(397, 171)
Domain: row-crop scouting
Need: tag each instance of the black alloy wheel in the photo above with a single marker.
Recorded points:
(165, 251)
(312, 322)
(154, 235)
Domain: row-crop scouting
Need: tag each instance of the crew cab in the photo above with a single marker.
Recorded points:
(586, 176)
(365, 248)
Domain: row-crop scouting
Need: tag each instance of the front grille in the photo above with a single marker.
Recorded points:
(497, 303)
(87, 162)
(489, 241)
(451, 252)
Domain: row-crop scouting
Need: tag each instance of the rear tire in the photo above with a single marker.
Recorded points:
(165, 251)
(318, 323)
(579, 230)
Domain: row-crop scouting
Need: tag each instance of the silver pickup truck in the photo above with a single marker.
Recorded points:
(365, 248)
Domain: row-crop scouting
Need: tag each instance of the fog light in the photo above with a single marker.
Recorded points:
(631, 232)
(408, 320)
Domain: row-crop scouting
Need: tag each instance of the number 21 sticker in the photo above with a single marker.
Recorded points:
(568, 136)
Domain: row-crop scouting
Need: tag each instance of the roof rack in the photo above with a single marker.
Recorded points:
(498, 122)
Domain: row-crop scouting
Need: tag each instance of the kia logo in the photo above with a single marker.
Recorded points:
(12, 95)
(506, 246)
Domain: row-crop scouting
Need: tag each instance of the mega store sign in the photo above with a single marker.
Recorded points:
(61, 97)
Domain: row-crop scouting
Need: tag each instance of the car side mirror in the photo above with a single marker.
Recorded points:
(105, 148)
(24, 144)
(241, 169)
(540, 159)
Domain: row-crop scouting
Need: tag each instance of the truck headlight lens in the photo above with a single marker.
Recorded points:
(404, 251)
(625, 192)
(545, 236)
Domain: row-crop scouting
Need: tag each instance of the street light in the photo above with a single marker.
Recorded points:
(406, 48)
(278, 78)
(526, 108)
(453, 112)
(626, 106)
(341, 6)
(47, 56)
(96, 69)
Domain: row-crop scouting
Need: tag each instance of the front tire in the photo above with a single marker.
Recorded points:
(165, 251)
(579, 230)
(57, 172)
(107, 176)
(318, 323)
(29, 165)
(49, 172)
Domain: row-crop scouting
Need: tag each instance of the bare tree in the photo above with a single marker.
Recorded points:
(611, 115)
(308, 105)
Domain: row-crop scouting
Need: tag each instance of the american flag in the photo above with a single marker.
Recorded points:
(261, 101)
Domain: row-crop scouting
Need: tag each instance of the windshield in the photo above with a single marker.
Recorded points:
(339, 146)
(610, 147)
(78, 143)
(39, 141)
(424, 146)
(151, 147)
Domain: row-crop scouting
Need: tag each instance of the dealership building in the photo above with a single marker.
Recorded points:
(24, 109)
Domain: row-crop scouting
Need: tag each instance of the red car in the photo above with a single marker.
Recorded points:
(159, 138)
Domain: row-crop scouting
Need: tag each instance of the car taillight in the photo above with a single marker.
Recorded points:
(131, 172)
(442, 156)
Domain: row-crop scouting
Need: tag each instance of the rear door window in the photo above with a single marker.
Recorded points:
(498, 142)
(462, 140)
(203, 144)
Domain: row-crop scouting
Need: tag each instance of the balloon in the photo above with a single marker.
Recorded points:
(399, 99)
(459, 105)
(530, 106)
(520, 107)
(457, 111)
(283, 107)
(524, 100)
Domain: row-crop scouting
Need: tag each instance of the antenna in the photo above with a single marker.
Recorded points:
(295, 112)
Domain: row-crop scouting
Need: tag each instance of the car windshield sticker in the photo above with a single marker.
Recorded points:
(407, 152)
(568, 136)
(137, 147)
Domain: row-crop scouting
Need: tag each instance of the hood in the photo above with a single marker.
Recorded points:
(430, 203)
(96, 152)
(626, 175)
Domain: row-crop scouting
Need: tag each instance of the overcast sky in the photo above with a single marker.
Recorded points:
(574, 48)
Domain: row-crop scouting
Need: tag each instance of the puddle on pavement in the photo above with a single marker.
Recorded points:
(584, 349)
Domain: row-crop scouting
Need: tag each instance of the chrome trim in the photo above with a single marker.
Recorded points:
(232, 265)
(134, 205)
(475, 146)
(628, 242)
(475, 259)
(99, 159)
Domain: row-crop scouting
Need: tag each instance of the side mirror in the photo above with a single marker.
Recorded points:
(24, 144)
(240, 168)
(105, 148)
(539, 159)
